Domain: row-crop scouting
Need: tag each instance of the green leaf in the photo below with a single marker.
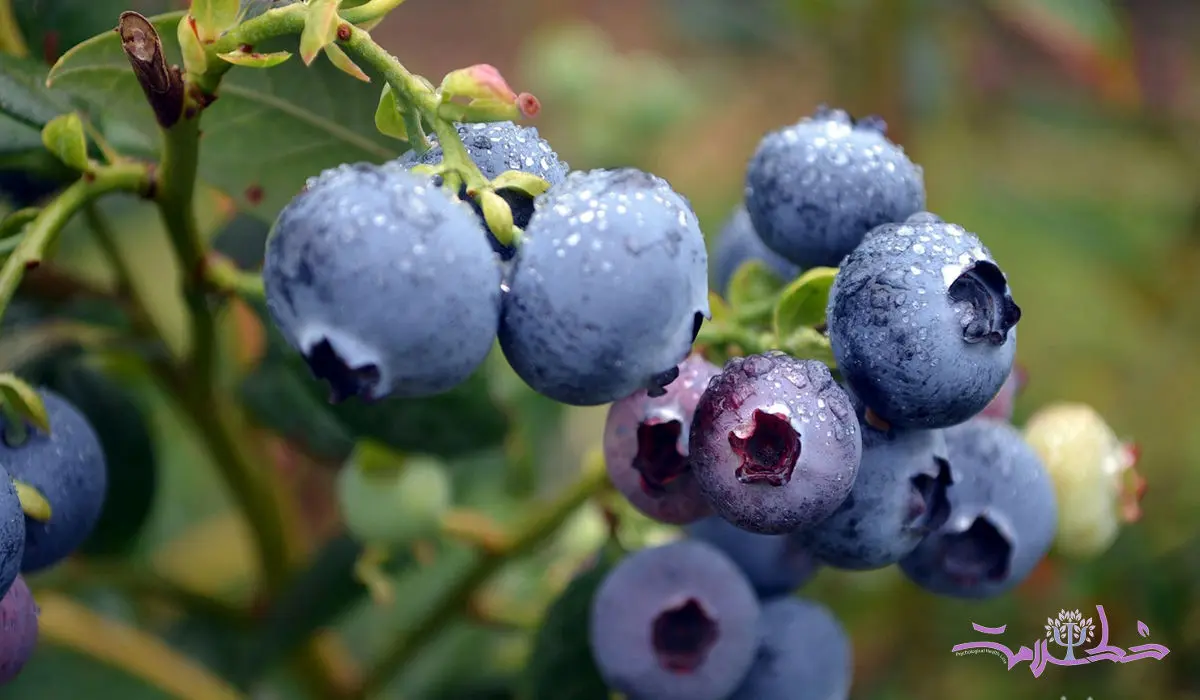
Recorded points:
(343, 63)
(64, 137)
(26, 105)
(195, 60)
(24, 400)
(388, 119)
(253, 59)
(269, 132)
(752, 291)
(129, 452)
(802, 303)
(316, 597)
(560, 664)
(320, 28)
(213, 17)
(809, 344)
(282, 394)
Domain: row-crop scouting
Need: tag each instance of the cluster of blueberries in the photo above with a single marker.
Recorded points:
(389, 284)
(776, 469)
(64, 471)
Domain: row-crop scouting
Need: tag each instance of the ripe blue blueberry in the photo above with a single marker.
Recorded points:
(804, 654)
(18, 629)
(385, 284)
(776, 565)
(923, 323)
(739, 243)
(12, 532)
(674, 622)
(1003, 404)
(67, 468)
(775, 443)
(608, 290)
(1003, 515)
(646, 446)
(496, 147)
(814, 189)
(899, 496)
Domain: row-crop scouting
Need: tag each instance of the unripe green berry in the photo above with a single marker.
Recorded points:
(393, 504)
(1090, 467)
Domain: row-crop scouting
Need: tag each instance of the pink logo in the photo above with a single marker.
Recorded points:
(1070, 630)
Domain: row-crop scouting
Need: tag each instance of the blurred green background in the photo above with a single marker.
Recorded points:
(1066, 133)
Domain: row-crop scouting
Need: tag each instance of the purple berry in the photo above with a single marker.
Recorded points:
(1004, 403)
(815, 188)
(67, 467)
(775, 564)
(646, 446)
(899, 497)
(738, 243)
(775, 443)
(674, 622)
(18, 629)
(804, 654)
(1003, 515)
(922, 323)
(12, 532)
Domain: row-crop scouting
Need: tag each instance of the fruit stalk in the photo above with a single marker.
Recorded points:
(455, 597)
(43, 230)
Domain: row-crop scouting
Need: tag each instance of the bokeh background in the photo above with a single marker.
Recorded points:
(1066, 133)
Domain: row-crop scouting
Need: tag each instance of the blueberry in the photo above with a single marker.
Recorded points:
(608, 291)
(775, 443)
(674, 622)
(803, 654)
(739, 243)
(923, 323)
(1003, 515)
(496, 147)
(384, 283)
(12, 532)
(18, 629)
(1003, 404)
(814, 189)
(775, 564)
(899, 497)
(67, 468)
(646, 446)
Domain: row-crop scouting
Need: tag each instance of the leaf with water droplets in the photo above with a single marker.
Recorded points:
(802, 303)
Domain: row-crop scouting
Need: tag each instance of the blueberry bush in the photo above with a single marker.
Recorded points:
(376, 383)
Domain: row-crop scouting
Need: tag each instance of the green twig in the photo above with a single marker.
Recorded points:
(222, 275)
(176, 196)
(456, 597)
(43, 231)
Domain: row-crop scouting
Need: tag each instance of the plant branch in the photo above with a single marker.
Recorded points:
(222, 275)
(41, 233)
(64, 622)
(457, 597)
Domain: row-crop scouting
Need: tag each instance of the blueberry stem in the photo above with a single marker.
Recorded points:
(33, 503)
(457, 596)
